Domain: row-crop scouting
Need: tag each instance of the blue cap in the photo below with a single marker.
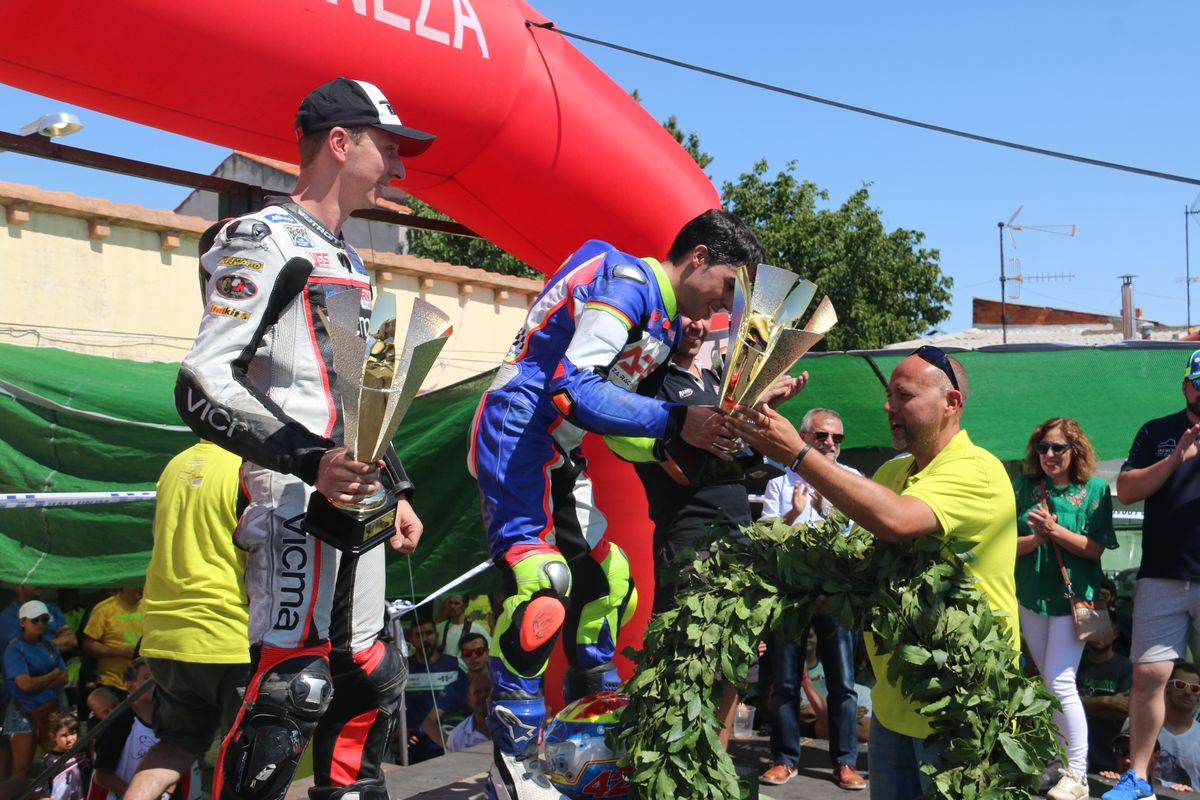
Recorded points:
(1193, 367)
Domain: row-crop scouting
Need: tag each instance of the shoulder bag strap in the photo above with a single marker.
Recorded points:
(1057, 553)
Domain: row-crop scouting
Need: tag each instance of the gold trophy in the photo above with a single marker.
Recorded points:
(378, 380)
(765, 342)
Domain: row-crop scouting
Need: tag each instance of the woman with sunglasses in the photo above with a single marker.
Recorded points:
(35, 671)
(1063, 507)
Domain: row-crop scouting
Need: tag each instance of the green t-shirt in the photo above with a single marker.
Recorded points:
(968, 491)
(1085, 509)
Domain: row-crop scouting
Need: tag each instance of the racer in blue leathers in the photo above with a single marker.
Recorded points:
(604, 322)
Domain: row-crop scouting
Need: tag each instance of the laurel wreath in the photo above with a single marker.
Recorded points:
(950, 653)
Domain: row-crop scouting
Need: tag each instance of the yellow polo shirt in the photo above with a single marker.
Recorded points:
(195, 604)
(969, 492)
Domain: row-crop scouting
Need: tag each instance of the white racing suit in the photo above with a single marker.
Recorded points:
(260, 382)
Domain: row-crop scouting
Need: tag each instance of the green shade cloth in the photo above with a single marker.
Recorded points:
(75, 423)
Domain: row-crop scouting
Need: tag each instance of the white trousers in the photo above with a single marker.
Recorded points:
(1056, 652)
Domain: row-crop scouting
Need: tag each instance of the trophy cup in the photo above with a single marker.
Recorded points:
(377, 380)
(765, 342)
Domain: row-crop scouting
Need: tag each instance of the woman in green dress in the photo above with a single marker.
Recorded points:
(1061, 506)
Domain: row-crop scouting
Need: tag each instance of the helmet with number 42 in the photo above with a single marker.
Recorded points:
(580, 763)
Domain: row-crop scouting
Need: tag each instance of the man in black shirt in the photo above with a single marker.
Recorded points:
(684, 511)
(1163, 470)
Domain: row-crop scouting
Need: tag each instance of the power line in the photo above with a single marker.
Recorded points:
(550, 26)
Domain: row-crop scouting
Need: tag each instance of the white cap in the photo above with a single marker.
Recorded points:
(33, 609)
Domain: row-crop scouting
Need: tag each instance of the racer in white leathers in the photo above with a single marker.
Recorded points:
(259, 381)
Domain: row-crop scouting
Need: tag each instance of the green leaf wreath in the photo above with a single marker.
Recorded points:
(950, 654)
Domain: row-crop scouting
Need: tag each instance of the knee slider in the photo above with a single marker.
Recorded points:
(275, 728)
(538, 608)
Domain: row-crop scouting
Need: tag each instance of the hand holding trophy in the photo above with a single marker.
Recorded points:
(765, 342)
(377, 380)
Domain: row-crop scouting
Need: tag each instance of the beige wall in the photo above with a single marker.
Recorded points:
(105, 279)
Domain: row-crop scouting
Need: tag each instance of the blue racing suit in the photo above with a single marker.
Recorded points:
(604, 322)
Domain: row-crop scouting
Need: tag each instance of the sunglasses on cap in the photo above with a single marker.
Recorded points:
(937, 356)
(1194, 688)
(822, 436)
(42, 620)
(1195, 383)
(1058, 448)
(471, 652)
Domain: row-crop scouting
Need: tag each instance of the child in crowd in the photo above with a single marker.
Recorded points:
(74, 772)
(121, 748)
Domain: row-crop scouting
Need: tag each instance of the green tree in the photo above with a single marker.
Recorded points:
(465, 250)
(885, 287)
(689, 142)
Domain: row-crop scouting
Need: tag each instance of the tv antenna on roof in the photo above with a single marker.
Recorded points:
(1192, 211)
(1057, 230)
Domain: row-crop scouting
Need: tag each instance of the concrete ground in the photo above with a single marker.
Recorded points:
(460, 776)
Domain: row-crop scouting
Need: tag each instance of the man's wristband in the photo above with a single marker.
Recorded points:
(803, 452)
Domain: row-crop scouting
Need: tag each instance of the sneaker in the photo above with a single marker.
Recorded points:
(847, 777)
(1050, 776)
(778, 775)
(1130, 787)
(1073, 785)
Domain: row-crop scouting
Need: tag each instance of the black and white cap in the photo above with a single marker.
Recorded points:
(355, 104)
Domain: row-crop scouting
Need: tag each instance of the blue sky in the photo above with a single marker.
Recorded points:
(1105, 80)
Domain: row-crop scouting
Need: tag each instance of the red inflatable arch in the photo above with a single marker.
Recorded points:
(537, 149)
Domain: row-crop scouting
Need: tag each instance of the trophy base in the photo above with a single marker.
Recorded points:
(352, 532)
(702, 469)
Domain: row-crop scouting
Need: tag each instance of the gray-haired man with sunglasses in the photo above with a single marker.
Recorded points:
(794, 500)
(1163, 470)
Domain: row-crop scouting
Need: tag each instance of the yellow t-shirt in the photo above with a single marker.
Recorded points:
(195, 603)
(114, 624)
(969, 492)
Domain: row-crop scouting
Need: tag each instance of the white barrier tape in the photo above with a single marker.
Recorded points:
(48, 499)
(397, 608)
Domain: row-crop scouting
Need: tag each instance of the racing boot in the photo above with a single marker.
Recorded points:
(517, 772)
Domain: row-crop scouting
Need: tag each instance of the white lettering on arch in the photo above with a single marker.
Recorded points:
(465, 17)
(424, 29)
(391, 18)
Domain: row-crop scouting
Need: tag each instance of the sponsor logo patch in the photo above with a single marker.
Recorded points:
(280, 217)
(299, 236)
(237, 261)
(226, 311)
(235, 287)
(320, 259)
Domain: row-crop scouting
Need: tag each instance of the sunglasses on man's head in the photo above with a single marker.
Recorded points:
(937, 356)
(471, 652)
(823, 435)
(1194, 688)
(1058, 448)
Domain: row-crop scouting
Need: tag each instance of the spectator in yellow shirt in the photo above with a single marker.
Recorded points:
(111, 634)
